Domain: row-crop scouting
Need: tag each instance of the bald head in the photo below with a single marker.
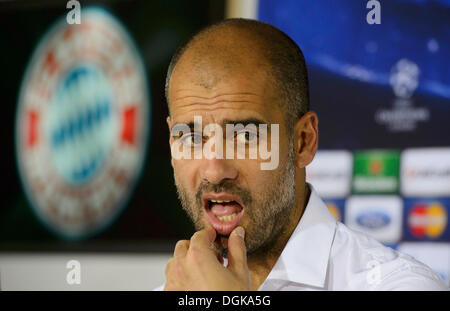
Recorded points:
(234, 45)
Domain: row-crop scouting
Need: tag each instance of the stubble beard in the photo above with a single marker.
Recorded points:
(268, 212)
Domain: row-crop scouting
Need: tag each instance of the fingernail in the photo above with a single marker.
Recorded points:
(240, 232)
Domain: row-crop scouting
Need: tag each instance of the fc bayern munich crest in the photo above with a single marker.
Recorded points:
(82, 123)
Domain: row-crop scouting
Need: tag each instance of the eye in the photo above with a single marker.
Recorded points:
(246, 136)
(191, 139)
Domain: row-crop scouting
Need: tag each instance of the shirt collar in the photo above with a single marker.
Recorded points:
(305, 257)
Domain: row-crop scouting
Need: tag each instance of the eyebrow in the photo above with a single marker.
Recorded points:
(244, 122)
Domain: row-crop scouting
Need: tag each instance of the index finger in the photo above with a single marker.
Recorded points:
(181, 248)
(203, 238)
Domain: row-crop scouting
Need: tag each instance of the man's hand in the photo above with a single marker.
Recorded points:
(195, 265)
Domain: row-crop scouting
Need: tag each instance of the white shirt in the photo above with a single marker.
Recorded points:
(324, 254)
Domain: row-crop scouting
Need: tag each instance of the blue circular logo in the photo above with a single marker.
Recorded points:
(373, 220)
(81, 123)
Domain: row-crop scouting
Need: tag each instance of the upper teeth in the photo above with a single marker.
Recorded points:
(221, 201)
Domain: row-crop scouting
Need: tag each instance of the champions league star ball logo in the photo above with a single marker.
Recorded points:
(404, 78)
(403, 116)
(82, 124)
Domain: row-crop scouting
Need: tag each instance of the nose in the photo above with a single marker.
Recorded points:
(217, 170)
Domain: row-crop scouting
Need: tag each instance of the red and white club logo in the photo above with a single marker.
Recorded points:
(82, 123)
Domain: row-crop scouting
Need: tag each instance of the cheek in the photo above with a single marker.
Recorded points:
(186, 174)
(184, 168)
(254, 178)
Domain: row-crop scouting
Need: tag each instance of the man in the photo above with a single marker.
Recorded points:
(262, 229)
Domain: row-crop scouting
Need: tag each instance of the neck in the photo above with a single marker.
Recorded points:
(260, 264)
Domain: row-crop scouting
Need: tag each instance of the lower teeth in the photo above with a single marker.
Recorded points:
(226, 218)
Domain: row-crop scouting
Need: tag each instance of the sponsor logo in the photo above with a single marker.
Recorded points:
(376, 172)
(373, 219)
(413, 173)
(403, 116)
(425, 172)
(427, 220)
(376, 215)
(330, 173)
(82, 122)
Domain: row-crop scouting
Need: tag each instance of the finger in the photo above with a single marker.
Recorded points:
(171, 276)
(181, 248)
(237, 252)
(203, 238)
(169, 266)
(200, 246)
(214, 246)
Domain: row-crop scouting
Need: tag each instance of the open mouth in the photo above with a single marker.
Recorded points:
(224, 211)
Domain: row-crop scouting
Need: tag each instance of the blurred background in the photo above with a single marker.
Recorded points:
(71, 190)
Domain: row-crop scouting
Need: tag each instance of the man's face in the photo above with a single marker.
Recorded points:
(224, 193)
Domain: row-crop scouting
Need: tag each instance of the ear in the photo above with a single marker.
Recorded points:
(169, 124)
(306, 138)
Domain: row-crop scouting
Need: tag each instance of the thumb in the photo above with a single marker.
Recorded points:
(237, 252)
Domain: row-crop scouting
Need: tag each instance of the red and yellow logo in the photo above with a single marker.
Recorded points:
(427, 219)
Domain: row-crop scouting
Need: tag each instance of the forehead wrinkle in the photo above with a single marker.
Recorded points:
(213, 96)
(208, 107)
(211, 103)
(245, 113)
